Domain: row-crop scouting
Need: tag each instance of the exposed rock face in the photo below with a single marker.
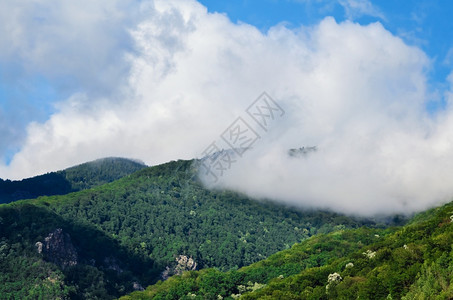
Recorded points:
(58, 248)
(39, 247)
(137, 286)
(183, 263)
(112, 264)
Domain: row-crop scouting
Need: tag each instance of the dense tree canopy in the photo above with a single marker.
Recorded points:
(73, 179)
(130, 230)
(410, 262)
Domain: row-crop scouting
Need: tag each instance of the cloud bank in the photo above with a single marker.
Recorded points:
(184, 75)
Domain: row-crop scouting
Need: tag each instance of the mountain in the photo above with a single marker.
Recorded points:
(107, 241)
(73, 179)
(414, 261)
(302, 151)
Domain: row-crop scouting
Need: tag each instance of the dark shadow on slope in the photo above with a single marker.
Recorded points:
(47, 184)
(73, 179)
(104, 268)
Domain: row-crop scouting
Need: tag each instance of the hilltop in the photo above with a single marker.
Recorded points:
(109, 240)
(77, 178)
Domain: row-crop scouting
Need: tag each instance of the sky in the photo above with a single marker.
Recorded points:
(366, 82)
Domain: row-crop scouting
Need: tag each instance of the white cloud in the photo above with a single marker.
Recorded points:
(357, 92)
(358, 8)
(73, 44)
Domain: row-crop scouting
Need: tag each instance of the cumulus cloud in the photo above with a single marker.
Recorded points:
(73, 44)
(356, 92)
(62, 48)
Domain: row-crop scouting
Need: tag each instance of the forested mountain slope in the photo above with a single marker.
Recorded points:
(107, 241)
(73, 179)
(410, 262)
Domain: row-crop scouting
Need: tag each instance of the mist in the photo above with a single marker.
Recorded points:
(183, 76)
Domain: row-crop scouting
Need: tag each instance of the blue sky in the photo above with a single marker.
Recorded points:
(23, 100)
(367, 82)
(71, 51)
(423, 23)
(29, 95)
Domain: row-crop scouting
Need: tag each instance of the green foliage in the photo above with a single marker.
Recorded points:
(410, 262)
(100, 171)
(271, 272)
(164, 211)
(434, 280)
(414, 262)
(73, 179)
(148, 218)
(26, 275)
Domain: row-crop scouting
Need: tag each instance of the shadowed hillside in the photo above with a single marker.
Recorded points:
(73, 179)
(161, 213)
(43, 256)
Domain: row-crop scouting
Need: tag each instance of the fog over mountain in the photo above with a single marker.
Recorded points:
(183, 76)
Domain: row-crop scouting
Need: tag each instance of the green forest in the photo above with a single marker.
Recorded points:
(224, 150)
(107, 241)
(409, 262)
(73, 179)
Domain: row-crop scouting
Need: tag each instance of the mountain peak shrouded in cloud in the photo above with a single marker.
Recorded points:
(183, 75)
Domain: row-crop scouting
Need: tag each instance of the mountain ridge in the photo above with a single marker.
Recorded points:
(156, 215)
(72, 179)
